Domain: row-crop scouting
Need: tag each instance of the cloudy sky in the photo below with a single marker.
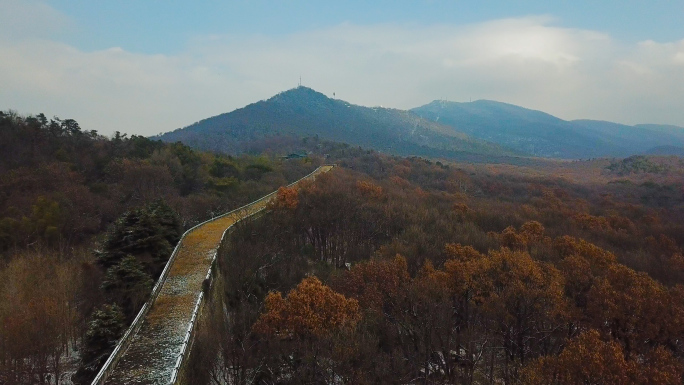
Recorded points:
(150, 66)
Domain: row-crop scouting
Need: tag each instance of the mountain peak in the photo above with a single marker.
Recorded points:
(302, 112)
(299, 94)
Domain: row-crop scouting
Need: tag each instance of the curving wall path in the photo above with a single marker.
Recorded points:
(153, 348)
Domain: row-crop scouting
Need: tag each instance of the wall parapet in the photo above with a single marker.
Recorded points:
(125, 341)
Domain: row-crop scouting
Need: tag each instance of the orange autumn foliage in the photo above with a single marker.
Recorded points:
(287, 198)
(458, 252)
(523, 290)
(533, 231)
(369, 189)
(568, 246)
(589, 360)
(530, 232)
(628, 306)
(310, 309)
(432, 283)
(467, 268)
(511, 239)
(374, 282)
(590, 222)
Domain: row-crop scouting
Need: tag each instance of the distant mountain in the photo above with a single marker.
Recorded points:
(480, 131)
(639, 139)
(675, 131)
(666, 150)
(545, 135)
(302, 112)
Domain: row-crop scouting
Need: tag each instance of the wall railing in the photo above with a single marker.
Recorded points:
(125, 341)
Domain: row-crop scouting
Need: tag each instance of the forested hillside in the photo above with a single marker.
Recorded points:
(86, 224)
(482, 131)
(303, 112)
(540, 134)
(406, 271)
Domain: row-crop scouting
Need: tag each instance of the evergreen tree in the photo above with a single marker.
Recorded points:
(128, 285)
(148, 233)
(104, 330)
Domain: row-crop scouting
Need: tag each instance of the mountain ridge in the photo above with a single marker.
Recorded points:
(545, 135)
(305, 112)
(480, 131)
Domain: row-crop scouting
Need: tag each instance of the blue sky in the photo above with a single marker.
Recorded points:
(149, 66)
(156, 26)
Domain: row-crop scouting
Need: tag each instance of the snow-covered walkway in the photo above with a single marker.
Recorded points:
(153, 351)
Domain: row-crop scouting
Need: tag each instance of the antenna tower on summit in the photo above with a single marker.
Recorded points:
(300, 80)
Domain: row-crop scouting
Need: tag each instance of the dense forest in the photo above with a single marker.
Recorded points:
(86, 225)
(407, 271)
(386, 270)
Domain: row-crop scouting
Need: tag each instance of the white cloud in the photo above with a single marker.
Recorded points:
(527, 61)
(24, 18)
(679, 57)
